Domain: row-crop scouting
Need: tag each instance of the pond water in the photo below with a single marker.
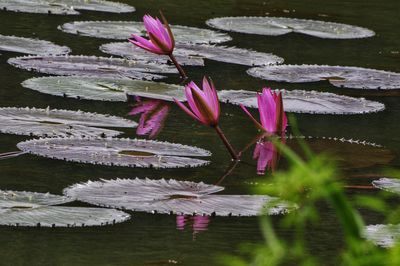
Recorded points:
(149, 239)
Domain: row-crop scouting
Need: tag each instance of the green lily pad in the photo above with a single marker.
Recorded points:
(22, 208)
(338, 76)
(193, 54)
(104, 89)
(122, 30)
(117, 152)
(130, 51)
(278, 26)
(172, 196)
(31, 46)
(384, 235)
(91, 66)
(53, 123)
(311, 102)
(64, 7)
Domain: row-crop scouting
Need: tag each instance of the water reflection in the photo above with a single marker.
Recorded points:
(198, 223)
(153, 114)
(267, 156)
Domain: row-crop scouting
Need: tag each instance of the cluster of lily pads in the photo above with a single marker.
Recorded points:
(91, 138)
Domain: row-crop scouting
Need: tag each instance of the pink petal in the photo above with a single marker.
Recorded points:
(251, 117)
(186, 110)
(145, 44)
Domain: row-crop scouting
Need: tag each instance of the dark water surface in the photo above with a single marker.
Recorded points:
(153, 239)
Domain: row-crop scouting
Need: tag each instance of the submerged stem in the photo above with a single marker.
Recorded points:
(180, 69)
(12, 154)
(226, 142)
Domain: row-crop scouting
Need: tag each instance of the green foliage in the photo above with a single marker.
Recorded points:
(308, 183)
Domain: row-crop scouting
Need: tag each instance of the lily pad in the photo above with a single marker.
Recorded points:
(349, 153)
(52, 123)
(172, 196)
(278, 26)
(312, 102)
(21, 208)
(31, 46)
(130, 51)
(193, 54)
(64, 7)
(384, 235)
(122, 30)
(104, 89)
(117, 152)
(388, 184)
(338, 76)
(26, 199)
(91, 66)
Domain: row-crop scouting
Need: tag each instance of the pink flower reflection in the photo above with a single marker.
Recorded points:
(153, 115)
(267, 156)
(198, 223)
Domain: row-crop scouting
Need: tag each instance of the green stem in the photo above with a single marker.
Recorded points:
(226, 142)
(180, 69)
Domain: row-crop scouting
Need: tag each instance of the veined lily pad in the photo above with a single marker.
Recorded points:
(64, 7)
(104, 89)
(91, 66)
(231, 55)
(190, 54)
(26, 199)
(118, 152)
(172, 196)
(278, 26)
(130, 51)
(339, 76)
(122, 30)
(388, 184)
(21, 208)
(298, 101)
(53, 123)
(31, 46)
(384, 235)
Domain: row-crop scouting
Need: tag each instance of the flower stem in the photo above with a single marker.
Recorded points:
(180, 69)
(226, 142)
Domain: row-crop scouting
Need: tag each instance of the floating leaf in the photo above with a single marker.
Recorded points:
(64, 7)
(118, 152)
(339, 76)
(22, 208)
(384, 235)
(388, 184)
(172, 196)
(53, 216)
(350, 153)
(313, 102)
(104, 89)
(25, 199)
(91, 66)
(230, 55)
(130, 51)
(122, 30)
(53, 123)
(278, 26)
(190, 54)
(31, 46)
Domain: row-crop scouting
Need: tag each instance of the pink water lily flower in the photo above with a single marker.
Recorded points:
(272, 115)
(204, 107)
(203, 104)
(161, 40)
